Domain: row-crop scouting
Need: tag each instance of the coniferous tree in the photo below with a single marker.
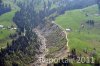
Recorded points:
(4, 8)
(0, 1)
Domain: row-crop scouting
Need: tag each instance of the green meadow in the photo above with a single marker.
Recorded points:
(7, 21)
(81, 38)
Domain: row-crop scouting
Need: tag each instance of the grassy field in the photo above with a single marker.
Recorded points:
(6, 20)
(81, 38)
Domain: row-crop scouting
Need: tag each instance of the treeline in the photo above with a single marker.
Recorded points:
(27, 16)
(45, 8)
(4, 8)
(64, 5)
(23, 49)
(21, 52)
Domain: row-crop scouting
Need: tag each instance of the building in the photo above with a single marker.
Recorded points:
(14, 28)
(68, 30)
(1, 26)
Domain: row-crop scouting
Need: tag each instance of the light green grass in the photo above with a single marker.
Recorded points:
(86, 38)
(5, 33)
(6, 20)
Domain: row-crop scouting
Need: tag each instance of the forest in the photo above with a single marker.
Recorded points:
(32, 13)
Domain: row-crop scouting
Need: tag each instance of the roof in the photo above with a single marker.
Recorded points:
(68, 29)
(1, 25)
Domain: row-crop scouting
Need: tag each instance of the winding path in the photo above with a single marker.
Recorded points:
(64, 52)
(64, 32)
(44, 51)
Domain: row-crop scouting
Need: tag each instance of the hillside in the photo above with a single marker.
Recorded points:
(82, 35)
(30, 32)
(26, 46)
(6, 21)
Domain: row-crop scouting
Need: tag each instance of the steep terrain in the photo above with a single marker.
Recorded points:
(83, 35)
(38, 36)
(26, 45)
(53, 42)
(6, 20)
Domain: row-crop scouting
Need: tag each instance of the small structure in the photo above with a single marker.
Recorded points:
(1, 26)
(14, 28)
(68, 30)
